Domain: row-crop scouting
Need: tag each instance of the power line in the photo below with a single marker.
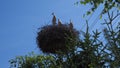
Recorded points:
(95, 21)
(88, 20)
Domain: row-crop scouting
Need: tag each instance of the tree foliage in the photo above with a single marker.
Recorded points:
(89, 52)
(107, 5)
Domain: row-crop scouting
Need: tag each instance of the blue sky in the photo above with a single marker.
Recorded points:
(20, 19)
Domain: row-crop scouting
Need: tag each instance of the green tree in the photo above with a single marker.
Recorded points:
(107, 5)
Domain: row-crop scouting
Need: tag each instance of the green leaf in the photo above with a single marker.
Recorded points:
(101, 16)
(88, 12)
(83, 2)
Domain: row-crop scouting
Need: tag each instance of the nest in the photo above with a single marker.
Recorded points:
(55, 38)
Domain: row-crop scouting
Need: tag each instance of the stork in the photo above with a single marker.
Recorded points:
(59, 22)
(71, 25)
(53, 19)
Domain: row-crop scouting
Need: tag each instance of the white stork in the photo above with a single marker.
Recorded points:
(71, 25)
(53, 19)
(59, 22)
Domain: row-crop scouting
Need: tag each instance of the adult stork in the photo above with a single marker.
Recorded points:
(59, 22)
(54, 19)
(71, 25)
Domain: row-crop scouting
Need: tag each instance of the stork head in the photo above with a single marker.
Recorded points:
(53, 14)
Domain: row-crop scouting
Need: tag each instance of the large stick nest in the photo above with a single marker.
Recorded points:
(55, 38)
